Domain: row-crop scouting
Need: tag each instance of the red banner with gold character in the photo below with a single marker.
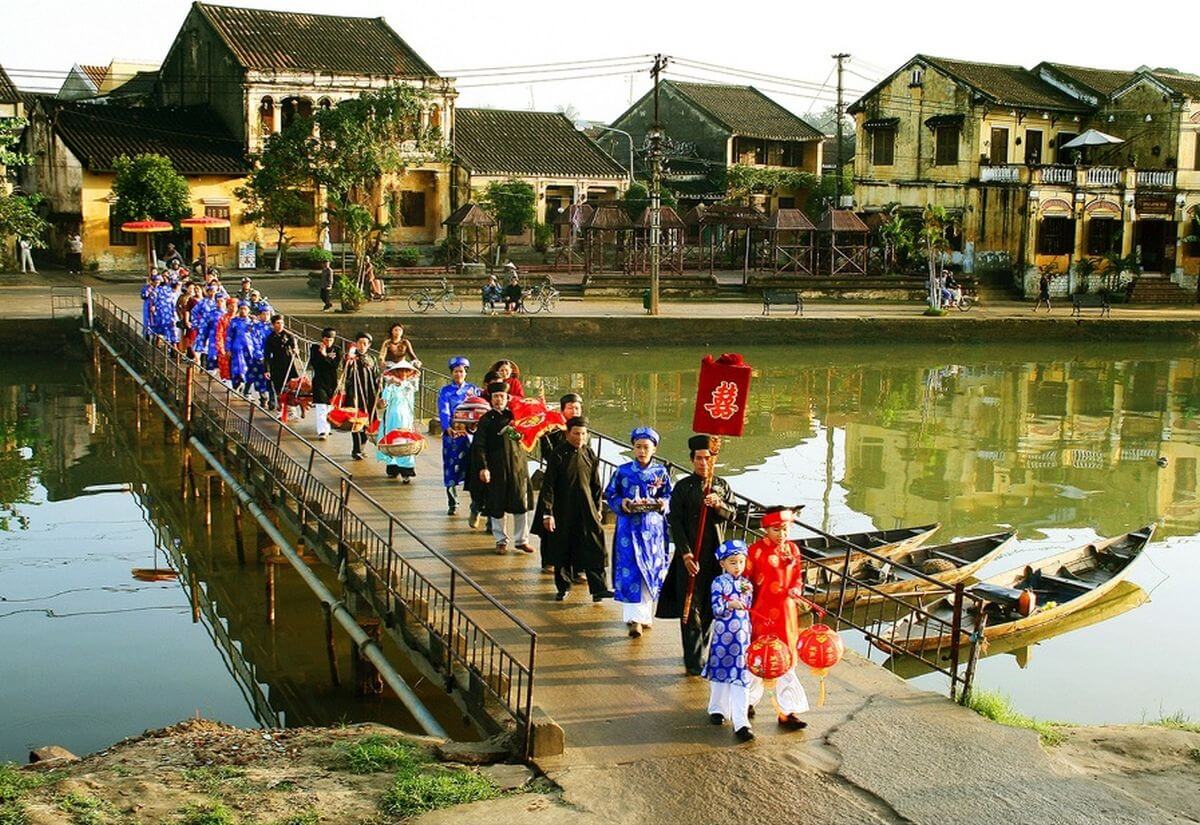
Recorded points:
(721, 395)
(532, 419)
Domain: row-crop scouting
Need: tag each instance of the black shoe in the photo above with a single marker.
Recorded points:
(357, 456)
(750, 711)
(599, 597)
(744, 734)
(450, 511)
(792, 722)
(693, 671)
(561, 596)
(716, 719)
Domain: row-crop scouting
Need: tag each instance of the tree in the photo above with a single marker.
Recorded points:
(361, 140)
(511, 202)
(274, 193)
(897, 238)
(18, 213)
(937, 227)
(637, 198)
(147, 188)
(743, 181)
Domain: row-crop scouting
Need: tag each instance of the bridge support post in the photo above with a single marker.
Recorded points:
(330, 648)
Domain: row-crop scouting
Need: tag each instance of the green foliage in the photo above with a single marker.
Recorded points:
(543, 236)
(318, 256)
(210, 814)
(743, 181)
(277, 192)
(415, 793)
(84, 809)
(1177, 721)
(349, 293)
(934, 312)
(511, 202)
(19, 217)
(408, 256)
(13, 813)
(637, 198)
(14, 782)
(999, 708)
(376, 753)
(217, 779)
(898, 238)
(11, 129)
(147, 187)
(937, 227)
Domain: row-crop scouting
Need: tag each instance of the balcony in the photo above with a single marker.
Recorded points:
(1061, 175)
(1102, 176)
(1156, 179)
(1008, 173)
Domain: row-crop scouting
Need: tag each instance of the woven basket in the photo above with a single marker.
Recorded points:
(931, 566)
(402, 448)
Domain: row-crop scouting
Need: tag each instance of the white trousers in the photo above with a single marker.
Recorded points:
(789, 693)
(641, 612)
(322, 412)
(27, 262)
(731, 701)
(520, 529)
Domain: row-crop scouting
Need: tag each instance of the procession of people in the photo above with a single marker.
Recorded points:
(669, 555)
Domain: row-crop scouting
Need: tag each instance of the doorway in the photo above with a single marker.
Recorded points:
(1156, 244)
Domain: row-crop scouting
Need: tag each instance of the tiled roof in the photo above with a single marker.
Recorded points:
(1101, 81)
(1187, 85)
(1007, 85)
(191, 137)
(505, 142)
(8, 92)
(94, 73)
(746, 111)
(262, 39)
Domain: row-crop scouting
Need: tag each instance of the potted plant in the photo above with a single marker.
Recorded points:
(318, 256)
(346, 291)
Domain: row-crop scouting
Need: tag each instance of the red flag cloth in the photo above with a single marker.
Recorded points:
(721, 395)
(532, 419)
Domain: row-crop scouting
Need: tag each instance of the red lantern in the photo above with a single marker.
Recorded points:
(721, 395)
(768, 657)
(820, 648)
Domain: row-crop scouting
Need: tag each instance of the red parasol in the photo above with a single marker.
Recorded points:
(532, 419)
(147, 228)
(205, 222)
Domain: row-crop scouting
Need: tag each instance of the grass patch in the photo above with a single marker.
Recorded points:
(376, 753)
(1177, 721)
(84, 809)
(214, 814)
(999, 708)
(933, 313)
(12, 812)
(217, 779)
(413, 793)
(14, 781)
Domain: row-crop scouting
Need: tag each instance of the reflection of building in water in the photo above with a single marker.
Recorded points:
(1067, 442)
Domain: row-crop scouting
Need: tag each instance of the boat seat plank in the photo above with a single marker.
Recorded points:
(949, 557)
(1072, 584)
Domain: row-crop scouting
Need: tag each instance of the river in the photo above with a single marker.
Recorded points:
(1060, 445)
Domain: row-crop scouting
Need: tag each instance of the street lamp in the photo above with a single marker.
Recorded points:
(584, 125)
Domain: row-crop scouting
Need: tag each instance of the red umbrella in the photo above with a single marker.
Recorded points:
(146, 228)
(205, 222)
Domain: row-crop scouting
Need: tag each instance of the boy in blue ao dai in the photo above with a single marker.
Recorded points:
(726, 672)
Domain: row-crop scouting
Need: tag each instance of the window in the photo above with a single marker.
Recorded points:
(412, 208)
(217, 237)
(115, 236)
(998, 146)
(883, 147)
(793, 153)
(1065, 155)
(946, 146)
(917, 77)
(749, 151)
(1196, 151)
(1033, 146)
(1103, 236)
(786, 203)
(1056, 235)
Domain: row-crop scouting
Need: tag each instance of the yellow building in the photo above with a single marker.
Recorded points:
(986, 141)
(11, 106)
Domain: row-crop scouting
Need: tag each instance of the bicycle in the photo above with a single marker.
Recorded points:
(541, 297)
(423, 300)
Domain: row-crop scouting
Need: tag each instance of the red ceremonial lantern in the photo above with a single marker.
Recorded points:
(721, 395)
(768, 657)
(820, 648)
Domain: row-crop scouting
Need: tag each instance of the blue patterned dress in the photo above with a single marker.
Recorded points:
(204, 321)
(730, 632)
(399, 397)
(256, 372)
(640, 553)
(456, 447)
(238, 344)
(147, 300)
(164, 317)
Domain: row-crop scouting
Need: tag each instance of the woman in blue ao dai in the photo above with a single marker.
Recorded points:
(639, 492)
(728, 678)
(239, 345)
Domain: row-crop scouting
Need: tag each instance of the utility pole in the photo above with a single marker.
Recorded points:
(841, 111)
(660, 63)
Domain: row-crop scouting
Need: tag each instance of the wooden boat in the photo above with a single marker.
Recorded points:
(947, 563)
(1026, 597)
(886, 543)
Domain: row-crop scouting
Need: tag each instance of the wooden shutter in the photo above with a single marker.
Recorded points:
(999, 146)
(217, 237)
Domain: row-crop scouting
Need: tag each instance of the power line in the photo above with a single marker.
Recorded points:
(482, 69)
(730, 70)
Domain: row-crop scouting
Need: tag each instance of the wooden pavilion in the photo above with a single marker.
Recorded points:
(695, 236)
(569, 235)
(731, 226)
(470, 237)
(607, 239)
(792, 243)
(670, 241)
(841, 244)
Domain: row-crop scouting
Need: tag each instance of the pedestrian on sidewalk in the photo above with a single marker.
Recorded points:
(1043, 292)
(572, 537)
(730, 598)
(25, 250)
(692, 559)
(323, 359)
(456, 442)
(639, 492)
(504, 468)
(775, 566)
(362, 387)
(327, 286)
(571, 406)
(74, 254)
(240, 347)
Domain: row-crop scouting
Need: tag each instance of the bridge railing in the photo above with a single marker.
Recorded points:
(405, 579)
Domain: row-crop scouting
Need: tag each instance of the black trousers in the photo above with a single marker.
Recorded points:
(695, 635)
(326, 294)
(359, 440)
(564, 575)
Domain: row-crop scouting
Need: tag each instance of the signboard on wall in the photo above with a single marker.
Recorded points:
(1150, 204)
(246, 255)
